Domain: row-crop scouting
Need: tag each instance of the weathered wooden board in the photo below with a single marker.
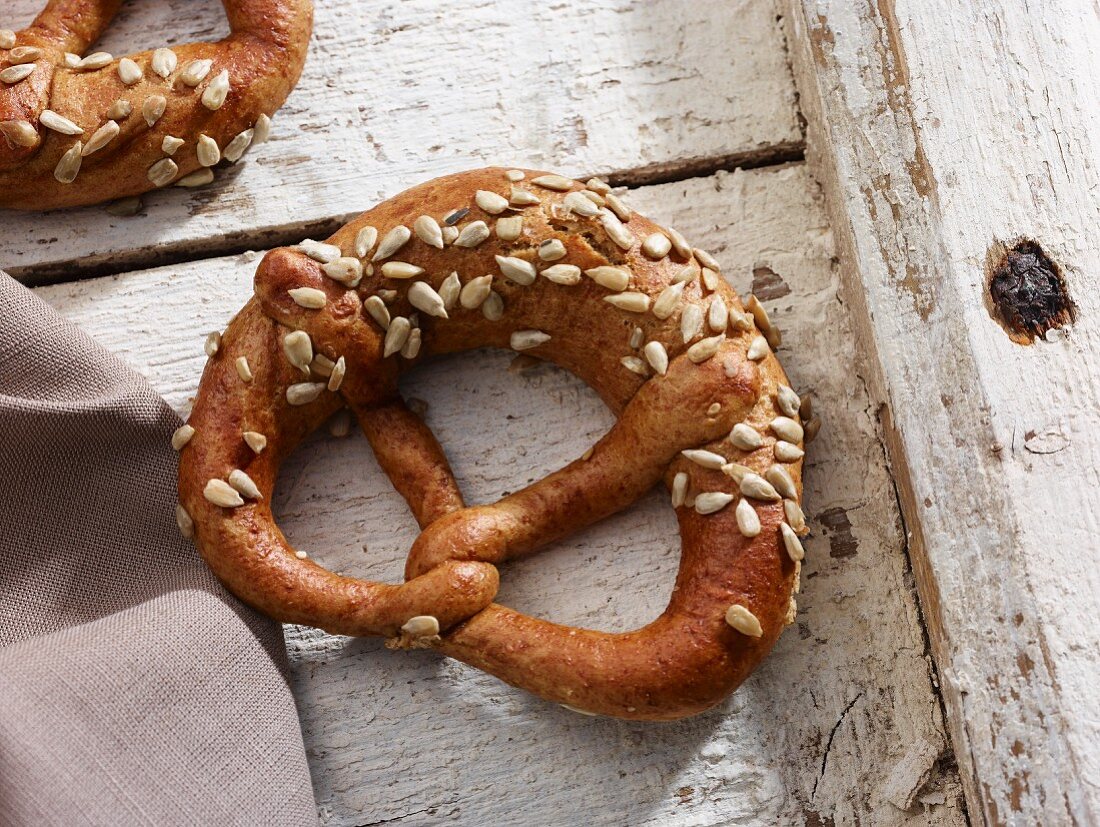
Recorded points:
(398, 92)
(941, 129)
(841, 724)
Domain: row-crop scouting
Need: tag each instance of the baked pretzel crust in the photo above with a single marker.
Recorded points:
(737, 503)
(261, 59)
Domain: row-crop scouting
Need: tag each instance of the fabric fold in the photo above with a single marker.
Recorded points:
(133, 688)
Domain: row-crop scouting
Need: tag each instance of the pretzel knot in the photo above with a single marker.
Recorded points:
(78, 129)
(566, 272)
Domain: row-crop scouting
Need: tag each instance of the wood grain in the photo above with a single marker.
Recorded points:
(395, 93)
(841, 724)
(941, 130)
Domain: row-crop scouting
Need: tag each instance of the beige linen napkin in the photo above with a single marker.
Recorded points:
(133, 688)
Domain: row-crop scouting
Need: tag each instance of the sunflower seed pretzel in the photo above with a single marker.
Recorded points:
(80, 129)
(696, 413)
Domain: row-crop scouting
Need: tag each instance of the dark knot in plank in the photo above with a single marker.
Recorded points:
(1028, 291)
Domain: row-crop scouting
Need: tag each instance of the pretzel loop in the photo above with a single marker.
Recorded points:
(709, 415)
(79, 129)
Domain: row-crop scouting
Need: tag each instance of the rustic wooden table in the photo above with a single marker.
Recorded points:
(690, 109)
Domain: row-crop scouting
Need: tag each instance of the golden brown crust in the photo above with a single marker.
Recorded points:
(262, 58)
(688, 659)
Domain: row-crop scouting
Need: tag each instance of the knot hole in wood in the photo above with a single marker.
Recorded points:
(1027, 292)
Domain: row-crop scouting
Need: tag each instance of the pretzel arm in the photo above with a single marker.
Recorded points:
(632, 457)
(71, 25)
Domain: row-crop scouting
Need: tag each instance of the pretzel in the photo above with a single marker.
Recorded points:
(81, 130)
(564, 272)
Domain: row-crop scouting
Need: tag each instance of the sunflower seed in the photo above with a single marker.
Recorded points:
(691, 322)
(656, 246)
(707, 459)
(299, 350)
(321, 365)
(304, 392)
(679, 243)
(340, 424)
(364, 240)
(207, 151)
(657, 357)
(124, 207)
(491, 202)
(787, 400)
(401, 270)
(679, 489)
(563, 274)
(336, 378)
(449, 290)
(308, 297)
(51, 120)
(19, 133)
(736, 471)
(15, 74)
(710, 278)
(212, 344)
(164, 62)
(788, 452)
(301, 555)
(553, 182)
(346, 270)
(744, 621)
(636, 338)
(388, 296)
(421, 626)
(472, 234)
(182, 436)
(714, 409)
(787, 429)
(153, 108)
(615, 230)
(795, 517)
(739, 321)
(620, 209)
(262, 130)
(551, 250)
(222, 494)
(781, 481)
(243, 370)
(753, 305)
(792, 543)
(579, 203)
(631, 302)
(758, 349)
(198, 178)
(635, 365)
(7, 39)
(705, 348)
(667, 301)
(213, 97)
(509, 228)
(96, 60)
(613, 278)
(184, 521)
(710, 502)
(745, 437)
(195, 72)
(685, 275)
(397, 333)
(748, 521)
(522, 198)
(69, 166)
(594, 197)
(707, 260)
(527, 339)
(598, 185)
(72, 61)
(774, 337)
(24, 54)
(755, 486)
(255, 440)
(129, 72)
(319, 251)
(493, 307)
(237, 147)
(244, 484)
(101, 137)
(423, 297)
(517, 269)
(427, 229)
(475, 292)
(514, 175)
(412, 344)
(717, 315)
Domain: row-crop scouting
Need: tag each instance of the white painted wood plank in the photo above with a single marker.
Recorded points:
(941, 128)
(395, 93)
(841, 724)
